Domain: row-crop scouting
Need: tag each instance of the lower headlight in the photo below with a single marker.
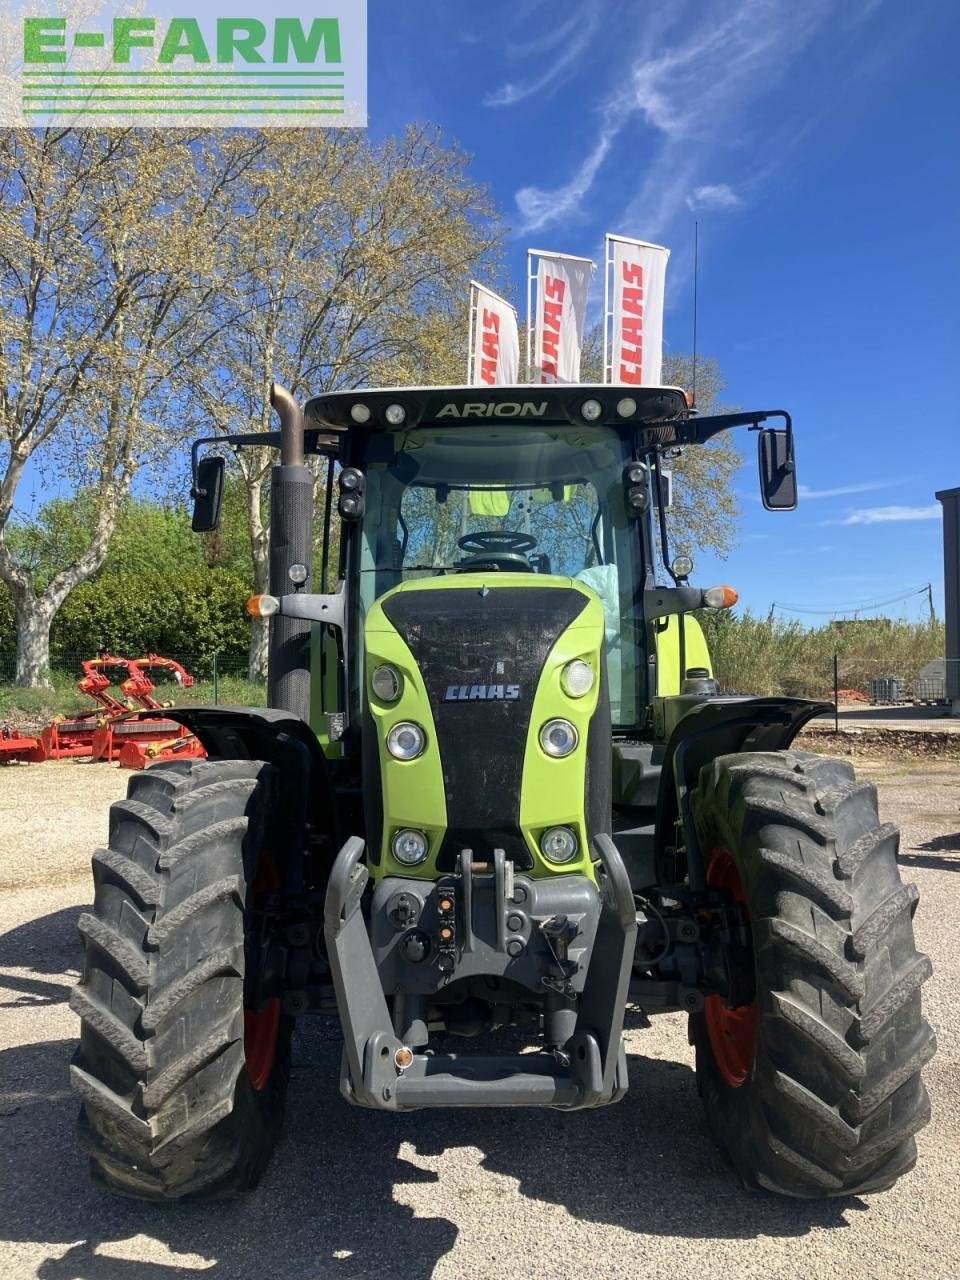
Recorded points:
(558, 738)
(559, 844)
(405, 741)
(409, 847)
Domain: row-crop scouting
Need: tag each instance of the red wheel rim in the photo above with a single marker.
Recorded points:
(261, 1028)
(732, 1032)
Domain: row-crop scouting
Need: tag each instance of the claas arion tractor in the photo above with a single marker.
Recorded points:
(495, 797)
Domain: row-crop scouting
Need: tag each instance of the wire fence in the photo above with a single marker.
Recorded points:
(852, 676)
(218, 680)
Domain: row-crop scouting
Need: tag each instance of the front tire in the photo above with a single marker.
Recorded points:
(813, 1088)
(182, 1089)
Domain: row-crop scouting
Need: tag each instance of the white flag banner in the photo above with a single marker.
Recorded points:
(562, 285)
(636, 342)
(494, 340)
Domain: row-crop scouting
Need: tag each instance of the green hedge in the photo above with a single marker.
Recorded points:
(197, 612)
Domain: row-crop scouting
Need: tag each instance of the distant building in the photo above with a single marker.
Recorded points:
(951, 590)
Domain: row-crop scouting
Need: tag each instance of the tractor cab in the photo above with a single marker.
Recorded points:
(539, 481)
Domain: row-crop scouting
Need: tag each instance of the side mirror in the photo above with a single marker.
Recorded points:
(778, 470)
(207, 493)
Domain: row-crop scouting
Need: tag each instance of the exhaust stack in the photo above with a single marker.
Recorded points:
(291, 543)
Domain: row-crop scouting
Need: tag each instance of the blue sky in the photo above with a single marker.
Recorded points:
(816, 142)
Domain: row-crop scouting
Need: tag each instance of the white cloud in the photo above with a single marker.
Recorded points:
(580, 27)
(713, 196)
(843, 490)
(889, 515)
(692, 79)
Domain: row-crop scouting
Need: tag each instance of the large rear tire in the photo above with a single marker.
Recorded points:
(814, 1088)
(182, 1089)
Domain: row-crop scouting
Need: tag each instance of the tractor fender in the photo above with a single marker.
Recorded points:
(718, 727)
(310, 805)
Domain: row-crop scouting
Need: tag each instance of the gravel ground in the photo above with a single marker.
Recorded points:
(635, 1189)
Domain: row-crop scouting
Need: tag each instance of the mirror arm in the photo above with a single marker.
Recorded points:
(700, 430)
(250, 439)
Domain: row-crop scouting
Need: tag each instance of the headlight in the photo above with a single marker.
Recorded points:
(576, 678)
(558, 738)
(591, 410)
(409, 847)
(559, 844)
(405, 741)
(395, 414)
(386, 683)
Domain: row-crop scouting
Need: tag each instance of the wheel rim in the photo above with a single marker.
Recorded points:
(261, 1027)
(732, 1032)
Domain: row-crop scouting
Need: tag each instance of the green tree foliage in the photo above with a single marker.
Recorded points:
(196, 612)
(774, 656)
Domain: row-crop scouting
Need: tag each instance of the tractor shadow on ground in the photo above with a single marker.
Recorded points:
(353, 1193)
(49, 946)
(942, 853)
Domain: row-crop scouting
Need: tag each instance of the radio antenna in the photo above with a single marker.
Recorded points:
(696, 266)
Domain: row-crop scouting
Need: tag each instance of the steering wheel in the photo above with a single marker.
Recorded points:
(502, 548)
(497, 540)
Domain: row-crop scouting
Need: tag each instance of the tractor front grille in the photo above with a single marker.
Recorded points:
(481, 654)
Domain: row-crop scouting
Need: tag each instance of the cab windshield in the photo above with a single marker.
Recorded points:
(525, 499)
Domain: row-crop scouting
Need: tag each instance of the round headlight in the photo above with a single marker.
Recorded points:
(395, 414)
(386, 683)
(576, 678)
(626, 407)
(297, 573)
(591, 410)
(405, 741)
(682, 566)
(409, 847)
(360, 413)
(558, 738)
(559, 844)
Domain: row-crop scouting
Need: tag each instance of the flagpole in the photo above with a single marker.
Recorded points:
(471, 341)
(529, 317)
(606, 308)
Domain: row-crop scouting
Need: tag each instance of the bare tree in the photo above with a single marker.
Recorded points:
(107, 268)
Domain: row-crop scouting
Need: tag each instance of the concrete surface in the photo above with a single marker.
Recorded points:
(632, 1190)
(925, 719)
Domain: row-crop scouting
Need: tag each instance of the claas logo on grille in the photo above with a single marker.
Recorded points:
(482, 693)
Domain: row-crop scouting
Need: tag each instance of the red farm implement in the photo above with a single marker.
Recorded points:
(135, 740)
(19, 748)
(65, 737)
(121, 729)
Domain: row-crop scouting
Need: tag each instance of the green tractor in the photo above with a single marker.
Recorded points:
(496, 797)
